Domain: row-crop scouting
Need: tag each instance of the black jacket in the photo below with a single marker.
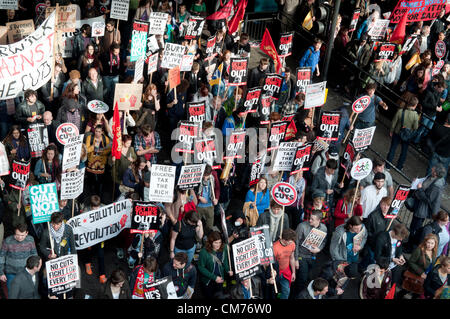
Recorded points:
(182, 279)
(375, 224)
(255, 76)
(383, 247)
(433, 282)
(125, 292)
(430, 100)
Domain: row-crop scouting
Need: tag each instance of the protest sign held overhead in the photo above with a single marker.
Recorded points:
(152, 46)
(417, 10)
(152, 63)
(235, 144)
(65, 131)
(44, 202)
(62, 274)
(98, 29)
(36, 139)
(72, 184)
(440, 49)
(145, 218)
(4, 162)
(205, 150)
(264, 244)
(158, 22)
(210, 45)
(119, 9)
(252, 99)
(257, 169)
(162, 183)
(385, 52)
(272, 85)
(362, 138)
(277, 133)
(66, 17)
(246, 258)
(349, 155)
(20, 174)
(187, 62)
(196, 111)
(303, 79)
(139, 70)
(128, 96)
(160, 289)
(361, 104)
(138, 39)
(72, 152)
(9, 4)
(354, 20)
(187, 132)
(173, 54)
(285, 156)
(302, 159)
(238, 71)
(174, 77)
(329, 126)
(285, 46)
(265, 104)
(97, 106)
(315, 95)
(106, 222)
(284, 194)
(378, 29)
(400, 196)
(361, 169)
(191, 176)
(27, 64)
(19, 30)
(194, 27)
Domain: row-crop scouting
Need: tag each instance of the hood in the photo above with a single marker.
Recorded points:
(311, 291)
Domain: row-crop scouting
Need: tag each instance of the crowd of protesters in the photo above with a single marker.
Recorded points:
(190, 246)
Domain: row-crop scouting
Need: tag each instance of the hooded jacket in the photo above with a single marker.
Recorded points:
(182, 278)
(308, 293)
(428, 201)
(338, 247)
(302, 231)
(375, 224)
(66, 105)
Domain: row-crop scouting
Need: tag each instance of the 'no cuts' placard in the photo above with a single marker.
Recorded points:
(284, 194)
(62, 274)
(246, 258)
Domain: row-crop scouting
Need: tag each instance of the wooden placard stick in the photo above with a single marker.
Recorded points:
(50, 237)
(348, 133)
(55, 41)
(274, 280)
(73, 206)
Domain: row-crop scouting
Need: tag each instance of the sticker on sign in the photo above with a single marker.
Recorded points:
(361, 104)
(66, 131)
(284, 194)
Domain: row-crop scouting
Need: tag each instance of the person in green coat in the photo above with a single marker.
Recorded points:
(212, 265)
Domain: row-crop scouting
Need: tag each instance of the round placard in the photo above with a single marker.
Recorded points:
(284, 194)
(361, 104)
(361, 168)
(98, 106)
(66, 131)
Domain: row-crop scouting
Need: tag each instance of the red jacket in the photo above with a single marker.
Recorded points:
(340, 212)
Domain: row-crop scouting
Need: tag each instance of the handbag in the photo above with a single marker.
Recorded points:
(413, 283)
(405, 134)
(251, 214)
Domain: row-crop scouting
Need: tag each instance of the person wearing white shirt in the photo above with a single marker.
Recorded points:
(372, 194)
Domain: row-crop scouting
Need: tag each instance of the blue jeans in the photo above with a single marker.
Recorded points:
(189, 252)
(9, 279)
(436, 159)
(404, 152)
(285, 289)
(426, 124)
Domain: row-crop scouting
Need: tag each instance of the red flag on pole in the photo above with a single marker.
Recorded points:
(225, 12)
(398, 35)
(391, 293)
(238, 16)
(116, 150)
(268, 48)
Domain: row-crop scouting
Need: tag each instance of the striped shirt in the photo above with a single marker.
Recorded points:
(14, 254)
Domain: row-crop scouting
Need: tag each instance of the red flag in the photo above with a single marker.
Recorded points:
(268, 48)
(398, 35)
(238, 16)
(116, 150)
(291, 131)
(225, 12)
(391, 293)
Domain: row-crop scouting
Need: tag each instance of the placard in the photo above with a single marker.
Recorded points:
(379, 29)
(4, 162)
(401, 194)
(409, 43)
(246, 258)
(72, 152)
(152, 46)
(19, 30)
(277, 133)
(361, 169)
(72, 184)
(160, 289)
(257, 169)
(437, 68)
(138, 39)
(285, 46)
(385, 52)
(252, 99)
(97, 106)
(329, 126)
(98, 29)
(264, 244)
(303, 79)
(36, 139)
(314, 239)
(119, 9)
(9, 4)
(187, 62)
(152, 63)
(139, 70)
(284, 194)
(235, 144)
(173, 54)
(285, 156)
(194, 27)
(196, 111)
(187, 132)
(65, 131)
(417, 10)
(354, 21)
(238, 71)
(210, 44)
(106, 222)
(440, 49)
(44, 202)
(302, 159)
(191, 176)
(361, 104)
(272, 85)
(362, 138)
(205, 150)
(349, 156)
(158, 22)
(66, 18)
(315, 95)
(128, 96)
(3, 35)
(145, 218)
(265, 104)
(62, 274)
(162, 183)
(174, 77)
(20, 174)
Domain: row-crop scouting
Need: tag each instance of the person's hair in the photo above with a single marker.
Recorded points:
(423, 245)
(195, 66)
(114, 46)
(111, 22)
(183, 86)
(440, 216)
(181, 257)
(371, 86)
(383, 262)
(135, 167)
(28, 93)
(191, 216)
(95, 200)
(379, 176)
(387, 200)
(148, 91)
(274, 204)
(412, 102)
(331, 163)
(400, 230)
(267, 185)
(440, 170)
(212, 237)
(317, 213)
(444, 261)
(85, 28)
(350, 193)
(126, 138)
(98, 127)
(287, 70)
(9, 137)
(317, 40)
(69, 91)
(146, 129)
(274, 117)
(56, 218)
(289, 234)
(117, 276)
(22, 227)
(352, 221)
(244, 36)
(319, 284)
(378, 162)
(150, 264)
(207, 171)
(55, 162)
(33, 261)
(143, 3)
(264, 61)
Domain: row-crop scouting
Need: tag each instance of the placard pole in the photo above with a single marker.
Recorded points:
(274, 280)
(348, 133)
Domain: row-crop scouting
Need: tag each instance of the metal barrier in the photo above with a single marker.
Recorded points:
(256, 22)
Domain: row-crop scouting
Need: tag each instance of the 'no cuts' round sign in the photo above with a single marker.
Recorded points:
(361, 104)
(440, 49)
(66, 131)
(284, 194)
(361, 168)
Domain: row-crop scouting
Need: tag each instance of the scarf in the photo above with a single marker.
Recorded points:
(113, 62)
(274, 222)
(149, 142)
(138, 290)
(57, 235)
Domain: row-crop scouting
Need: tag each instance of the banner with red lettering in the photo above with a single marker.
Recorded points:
(145, 218)
(238, 72)
(196, 111)
(272, 85)
(285, 46)
(187, 132)
(399, 198)
(252, 99)
(302, 159)
(303, 79)
(417, 10)
(20, 174)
